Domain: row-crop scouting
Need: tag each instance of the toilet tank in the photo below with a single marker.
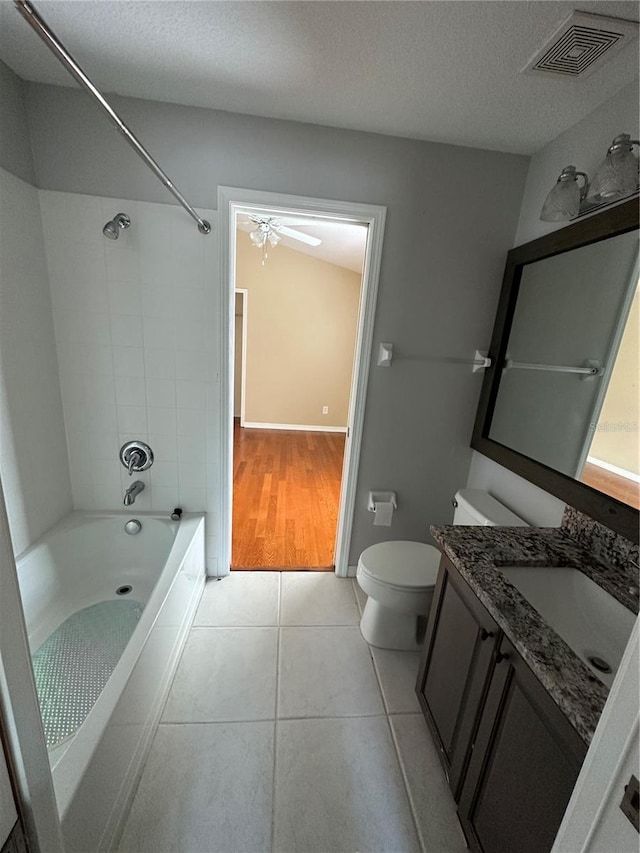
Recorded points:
(473, 506)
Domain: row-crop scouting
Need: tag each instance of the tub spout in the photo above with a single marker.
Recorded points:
(132, 492)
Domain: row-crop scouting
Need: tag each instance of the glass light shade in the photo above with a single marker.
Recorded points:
(563, 201)
(258, 237)
(617, 175)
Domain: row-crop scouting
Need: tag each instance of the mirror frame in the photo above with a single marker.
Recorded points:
(620, 517)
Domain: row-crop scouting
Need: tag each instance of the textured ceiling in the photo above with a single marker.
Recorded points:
(442, 71)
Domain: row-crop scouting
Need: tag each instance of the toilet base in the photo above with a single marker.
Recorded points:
(385, 628)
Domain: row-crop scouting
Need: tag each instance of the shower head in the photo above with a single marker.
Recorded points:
(112, 228)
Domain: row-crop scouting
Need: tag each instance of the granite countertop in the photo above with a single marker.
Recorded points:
(477, 552)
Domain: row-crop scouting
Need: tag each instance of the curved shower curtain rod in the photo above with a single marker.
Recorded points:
(34, 20)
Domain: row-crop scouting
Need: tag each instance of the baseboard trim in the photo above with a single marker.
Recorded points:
(301, 427)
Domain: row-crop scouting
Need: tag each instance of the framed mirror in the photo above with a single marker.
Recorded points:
(559, 404)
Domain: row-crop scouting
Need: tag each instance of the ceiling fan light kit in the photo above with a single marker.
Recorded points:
(269, 232)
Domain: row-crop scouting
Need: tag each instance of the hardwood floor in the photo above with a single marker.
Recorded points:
(286, 488)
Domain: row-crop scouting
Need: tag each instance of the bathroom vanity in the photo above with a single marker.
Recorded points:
(511, 706)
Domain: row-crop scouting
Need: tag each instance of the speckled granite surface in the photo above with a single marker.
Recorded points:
(477, 552)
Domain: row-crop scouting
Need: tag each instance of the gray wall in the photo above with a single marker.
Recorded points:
(582, 145)
(15, 144)
(452, 214)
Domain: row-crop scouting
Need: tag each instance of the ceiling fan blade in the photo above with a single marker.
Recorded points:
(298, 235)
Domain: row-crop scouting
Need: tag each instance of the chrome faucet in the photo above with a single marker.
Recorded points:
(132, 492)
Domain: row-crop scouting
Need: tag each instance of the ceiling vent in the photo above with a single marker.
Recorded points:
(581, 45)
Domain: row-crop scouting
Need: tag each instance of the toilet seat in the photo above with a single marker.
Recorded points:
(401, 565)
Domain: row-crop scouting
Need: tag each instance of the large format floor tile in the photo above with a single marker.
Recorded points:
(431, 798)
(339, 788)
(326, 672)
(205, 789)
(317, 598)
(397, 672)
(225, 674)
(241, 599)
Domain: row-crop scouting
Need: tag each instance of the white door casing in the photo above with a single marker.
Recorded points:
(232, 200)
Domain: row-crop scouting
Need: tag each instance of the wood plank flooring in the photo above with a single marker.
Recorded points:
(286, 488)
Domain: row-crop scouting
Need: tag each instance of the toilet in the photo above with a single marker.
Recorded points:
(399, 577)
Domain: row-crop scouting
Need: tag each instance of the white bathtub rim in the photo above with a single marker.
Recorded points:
(79, 517)
(72, 763)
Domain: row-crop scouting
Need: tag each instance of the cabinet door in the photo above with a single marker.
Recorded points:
(454, 671)
(524, 765)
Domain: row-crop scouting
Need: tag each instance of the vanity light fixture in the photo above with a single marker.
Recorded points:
(563, 201)
(617, 177)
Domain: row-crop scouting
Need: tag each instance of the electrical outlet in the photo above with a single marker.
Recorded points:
(325, 410)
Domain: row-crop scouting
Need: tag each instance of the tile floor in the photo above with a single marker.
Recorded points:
(284, 731)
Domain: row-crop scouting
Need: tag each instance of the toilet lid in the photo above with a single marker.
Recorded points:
(405, 564)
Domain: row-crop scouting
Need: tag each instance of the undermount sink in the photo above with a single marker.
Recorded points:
(589, 620)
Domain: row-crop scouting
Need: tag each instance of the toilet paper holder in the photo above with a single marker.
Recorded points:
(381, 498)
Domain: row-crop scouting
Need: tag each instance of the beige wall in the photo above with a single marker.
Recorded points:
(618, 445)
(237, 389)
(301, 332)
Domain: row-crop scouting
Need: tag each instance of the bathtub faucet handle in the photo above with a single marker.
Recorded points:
(175, 515)
(135, 458)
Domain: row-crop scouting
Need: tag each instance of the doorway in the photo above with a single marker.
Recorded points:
(309, 461)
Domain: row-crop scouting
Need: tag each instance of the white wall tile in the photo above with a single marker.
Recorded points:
(161, 392)
(192, 474)
(132, 419)
(130, 390)
(191, 423)
(163, 499)
(165, 447)
(159, 363)
(191, 449)
(94, 360)
(190, 394)
(124, 297)
(164, 474)
(101, 417)
(130, 319)
(158, 300)
(192, 499)
(126, 330)
(157, 332)
(161, 420)
(128, 361)
(190, 365)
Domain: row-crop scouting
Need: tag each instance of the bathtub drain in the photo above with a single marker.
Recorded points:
(124, 590)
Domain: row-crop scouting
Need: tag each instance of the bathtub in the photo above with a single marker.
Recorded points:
(85, 560)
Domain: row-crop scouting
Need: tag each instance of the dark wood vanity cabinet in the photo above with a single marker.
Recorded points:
(458, 653)
(511, 756)
(524, 765)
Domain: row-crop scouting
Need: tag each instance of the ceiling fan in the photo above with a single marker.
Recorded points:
(269, 231)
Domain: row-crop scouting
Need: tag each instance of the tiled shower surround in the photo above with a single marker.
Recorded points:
(134, 320)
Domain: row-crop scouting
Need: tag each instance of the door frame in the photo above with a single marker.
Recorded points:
(232, 200)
